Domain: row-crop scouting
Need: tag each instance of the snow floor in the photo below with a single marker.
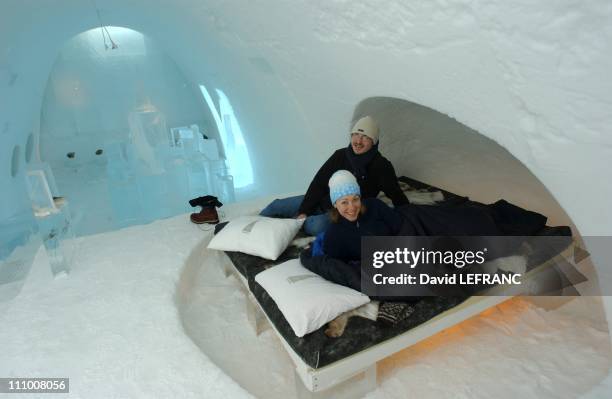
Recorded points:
(146, 312)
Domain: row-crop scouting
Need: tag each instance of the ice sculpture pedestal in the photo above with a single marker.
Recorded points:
(53, 218)
(55, 229)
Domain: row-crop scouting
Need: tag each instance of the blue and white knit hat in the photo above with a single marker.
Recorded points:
(368, 127)
(342, 183)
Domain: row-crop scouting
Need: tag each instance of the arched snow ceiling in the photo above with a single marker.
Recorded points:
(533, 76)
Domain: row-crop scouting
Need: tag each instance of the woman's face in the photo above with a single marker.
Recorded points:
(349, 206)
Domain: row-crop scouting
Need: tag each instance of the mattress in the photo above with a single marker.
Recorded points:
(317, 349)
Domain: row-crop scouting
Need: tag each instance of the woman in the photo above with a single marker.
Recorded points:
(354, 218)
(336, 252)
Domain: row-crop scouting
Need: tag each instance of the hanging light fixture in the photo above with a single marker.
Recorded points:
(104, 31)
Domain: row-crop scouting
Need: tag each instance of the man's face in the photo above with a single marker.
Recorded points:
(361, 143)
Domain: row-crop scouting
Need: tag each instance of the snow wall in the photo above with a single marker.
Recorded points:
(532, 77)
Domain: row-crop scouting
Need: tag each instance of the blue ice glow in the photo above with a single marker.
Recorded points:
(123, 134)
(234, 145)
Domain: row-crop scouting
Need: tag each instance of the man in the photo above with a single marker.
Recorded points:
(374, 174)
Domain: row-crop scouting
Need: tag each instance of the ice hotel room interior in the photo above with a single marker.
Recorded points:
(115, 113)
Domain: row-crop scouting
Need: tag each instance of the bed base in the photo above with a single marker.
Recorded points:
(256, 316)
(329, 376)
(356, 386)
(355, 375)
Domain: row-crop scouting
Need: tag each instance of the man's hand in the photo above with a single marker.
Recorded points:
(301, 216)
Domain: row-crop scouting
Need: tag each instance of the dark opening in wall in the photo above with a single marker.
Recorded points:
(15, 161)
(29, 149)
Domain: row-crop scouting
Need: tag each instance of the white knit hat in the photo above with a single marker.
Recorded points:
(368, 127)
(342, 183)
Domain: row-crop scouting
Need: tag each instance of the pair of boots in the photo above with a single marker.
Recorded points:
(208, 214)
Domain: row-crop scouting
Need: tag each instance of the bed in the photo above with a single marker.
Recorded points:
(326, 365)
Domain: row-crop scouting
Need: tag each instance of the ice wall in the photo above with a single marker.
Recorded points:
(91, 92)
(108, 123)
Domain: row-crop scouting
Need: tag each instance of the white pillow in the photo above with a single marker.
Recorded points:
(257, 235)
(307, 300)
